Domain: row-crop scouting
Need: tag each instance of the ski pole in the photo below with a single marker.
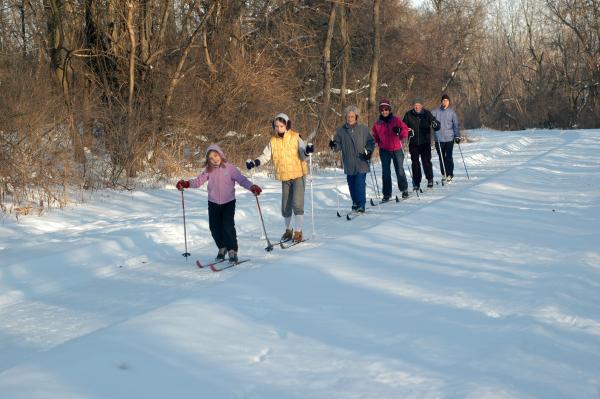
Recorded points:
(337, 190)
(409, 166)
(186, 253)
(269, 247)
(312, 200)
(441, 155)
(463, 159)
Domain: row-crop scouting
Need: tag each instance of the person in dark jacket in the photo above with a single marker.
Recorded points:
(420, 121)
(390, 134)
(356, 144)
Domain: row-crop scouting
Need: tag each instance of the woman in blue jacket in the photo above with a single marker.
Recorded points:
(445, 138)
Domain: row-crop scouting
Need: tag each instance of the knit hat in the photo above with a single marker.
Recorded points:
(284, 118)
(353, 109)
(445, 97)
(384, 102)
(215, 147)
(418, 100)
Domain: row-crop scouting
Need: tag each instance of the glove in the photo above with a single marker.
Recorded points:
(255, 190)
(435, 125)
(310, 148)
(411, 133)
(396, 130)
(251, 164)
(365, 155)
(332, 144)
(457, 140)
(181, 184)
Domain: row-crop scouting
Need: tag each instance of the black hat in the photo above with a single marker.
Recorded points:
(445, 97)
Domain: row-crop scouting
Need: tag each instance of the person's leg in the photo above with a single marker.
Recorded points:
(386, 174)
(360, 187)
(215, 225)
(449, 159)
(415, 165)
(398, 157)
(425, 152)
(298, 189)
(351, 179)
(286, 209)
(228, 221)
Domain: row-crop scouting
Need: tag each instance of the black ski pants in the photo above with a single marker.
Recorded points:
(422, 151)
(222, 224)
(444, 151)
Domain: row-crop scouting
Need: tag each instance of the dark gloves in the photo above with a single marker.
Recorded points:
(365, 155)
(457, 140)
(251, 164)
(255, 190)
(435, 124)
(411, 133)
(310, 148)
(396, 130)
(181, 184)
(332, 144)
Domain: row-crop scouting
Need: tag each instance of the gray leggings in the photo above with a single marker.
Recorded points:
(292, 197)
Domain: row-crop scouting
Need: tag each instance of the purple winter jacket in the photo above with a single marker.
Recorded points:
(221, 180)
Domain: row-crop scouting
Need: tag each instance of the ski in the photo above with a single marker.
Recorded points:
(211, 264)
(284, 246)
(229, 265)
(381, 202)
(280, 243)
(353, 215)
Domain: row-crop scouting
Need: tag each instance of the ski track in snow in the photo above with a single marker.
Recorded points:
(118, 258)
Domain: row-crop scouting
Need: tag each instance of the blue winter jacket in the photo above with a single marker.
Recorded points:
(449, 128)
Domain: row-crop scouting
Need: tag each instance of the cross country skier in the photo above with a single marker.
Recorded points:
(390, 134)
(445, 138)
(357, 145)
(421, 121)
(221, 177)
(288, 153)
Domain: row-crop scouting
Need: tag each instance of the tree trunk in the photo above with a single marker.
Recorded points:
(346, 56)
(375, 62)
(326, 72)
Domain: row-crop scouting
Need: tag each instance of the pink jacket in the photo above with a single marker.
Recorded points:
(384, 135)
(221, 180)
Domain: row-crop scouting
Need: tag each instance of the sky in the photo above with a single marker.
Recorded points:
(486, 287)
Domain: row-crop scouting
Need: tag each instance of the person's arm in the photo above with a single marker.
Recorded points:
(375, 134)
(370, 145)
(265, 156)
(455, 126)
(403, 130)
(237, 176)
(301, 149)
(199, 180)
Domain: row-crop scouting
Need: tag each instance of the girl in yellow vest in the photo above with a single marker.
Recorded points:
(288, 152)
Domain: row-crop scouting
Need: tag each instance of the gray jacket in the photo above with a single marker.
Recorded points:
(352, 141)
(449, 128)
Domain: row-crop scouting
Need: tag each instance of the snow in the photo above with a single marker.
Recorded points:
(484, 288)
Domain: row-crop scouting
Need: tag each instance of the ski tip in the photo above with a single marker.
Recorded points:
(199, 264)
(348, 217)
(397, 199)
(213, 268)
(372, 202)
(339, 214)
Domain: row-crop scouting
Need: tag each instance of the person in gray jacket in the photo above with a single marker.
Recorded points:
(356, 144)
(446, 136)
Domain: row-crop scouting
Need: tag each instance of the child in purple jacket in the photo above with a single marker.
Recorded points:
(221, 177)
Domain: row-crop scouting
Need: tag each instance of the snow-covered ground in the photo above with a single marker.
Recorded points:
(484, 288)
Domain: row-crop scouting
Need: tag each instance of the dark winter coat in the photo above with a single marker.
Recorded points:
(352, 141)
(420, 123)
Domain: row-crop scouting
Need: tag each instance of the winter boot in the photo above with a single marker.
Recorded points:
(430, 183)
(416, 187)
(385, 198)
(287, 235)
(297, 236)
(360, 209)
(404, 194)
(354, 207)
(221, 254)
(233, 258)
(449, 178)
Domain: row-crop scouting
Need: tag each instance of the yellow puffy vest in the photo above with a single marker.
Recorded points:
(284, 152)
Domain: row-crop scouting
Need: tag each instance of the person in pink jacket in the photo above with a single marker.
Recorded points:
(390, 134)
(221, 177)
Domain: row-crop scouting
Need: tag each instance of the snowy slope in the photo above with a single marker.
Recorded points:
(484, 288)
